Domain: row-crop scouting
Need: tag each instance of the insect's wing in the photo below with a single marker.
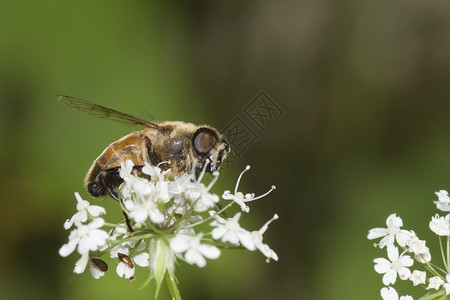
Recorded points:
(104, 112)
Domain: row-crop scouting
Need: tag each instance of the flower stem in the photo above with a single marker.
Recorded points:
(442, 253)
(448, 254)
(172, 286)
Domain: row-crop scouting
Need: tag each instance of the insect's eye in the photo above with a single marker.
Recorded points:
(204, 140)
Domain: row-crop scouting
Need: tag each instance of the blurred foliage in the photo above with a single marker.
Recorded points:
(365, 87)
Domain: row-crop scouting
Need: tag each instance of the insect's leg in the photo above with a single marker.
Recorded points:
(112, 180)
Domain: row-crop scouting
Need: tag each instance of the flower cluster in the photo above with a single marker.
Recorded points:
(164, 214)
(404, 248)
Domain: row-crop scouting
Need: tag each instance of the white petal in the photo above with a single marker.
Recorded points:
(406, 260)
(209, 251)
(96, 273)
(382, 265)
(68, 224)
(442, 206)
(80, 265)
(139, 215)
(120, 269)
(389, 277)
(68, 248)
(179, 244)
(418, 277)
(96, 223)
(96, 210)
(99, 236)
(156, 216)
(85, 245)
(392, 253)
(218, 232)
(128, 272)
(142, 259)
(394, 220)
(387, 241)
(269, 253)
(376, 233)
(194, 257)
(231, 237)
(81, 216)
(404, 273)
(246, 240)
(403, 237)
(389, 293)
(78, 197)
(447, 288)
(124, 271)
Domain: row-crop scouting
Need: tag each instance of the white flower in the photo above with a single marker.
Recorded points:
(155, 172)
(440, 225)
(145, 209)
(81, 264)
(126, 169)
(87, 237)
(435, 283)
(421, 252)
(389, 293)
(126, 268)
(200, 197)
(194, 250)
(229, 230)
(240, 198)
(97, 267)
(257, 239)
(391, 233)
(418, 277)
(396, 265)
(158, 179)
(134, 186)
(83, 208)
(447, 284)
(443, 202)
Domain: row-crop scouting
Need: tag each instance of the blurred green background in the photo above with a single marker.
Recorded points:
(365, 86)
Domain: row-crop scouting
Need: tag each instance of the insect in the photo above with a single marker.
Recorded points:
(179, 146)
(126, 260)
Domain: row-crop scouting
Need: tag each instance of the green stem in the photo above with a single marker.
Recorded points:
(430, 268)
(112, 225)
(131, 239)
(172, 286)
(442, 253)
(448, 254)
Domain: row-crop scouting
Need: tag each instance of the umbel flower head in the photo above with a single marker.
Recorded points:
(401, 244)
(165, 215)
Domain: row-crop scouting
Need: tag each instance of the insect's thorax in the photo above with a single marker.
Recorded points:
(168, 149)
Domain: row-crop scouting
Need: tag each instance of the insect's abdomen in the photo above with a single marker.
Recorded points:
(107, 166)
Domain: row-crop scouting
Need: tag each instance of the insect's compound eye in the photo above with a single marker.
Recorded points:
(204, 140)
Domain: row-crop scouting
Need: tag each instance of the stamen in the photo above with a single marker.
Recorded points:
(239, 178)
(216, 175)
(203, 171)
(163, 162)
(265, 226)
(263, 195)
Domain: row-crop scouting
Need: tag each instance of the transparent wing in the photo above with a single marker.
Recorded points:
(104, 112)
